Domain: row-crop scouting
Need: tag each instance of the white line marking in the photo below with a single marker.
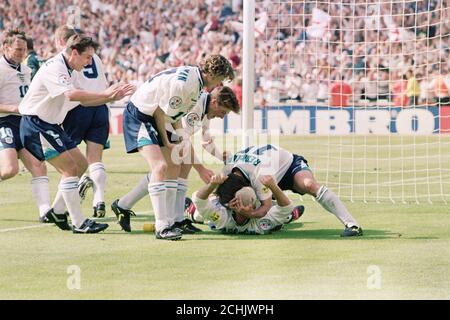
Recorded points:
(28, 227)
(51, 224)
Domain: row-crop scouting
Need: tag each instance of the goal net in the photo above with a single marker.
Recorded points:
(361, 89)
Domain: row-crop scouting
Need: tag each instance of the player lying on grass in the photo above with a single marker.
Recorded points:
(216, 104)
(235, 217)
(291, 172)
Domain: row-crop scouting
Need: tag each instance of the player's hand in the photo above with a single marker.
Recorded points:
(268, 181)
(236, 205)
(122, 91)
(111, 90)
(217, 179)
(205, 174)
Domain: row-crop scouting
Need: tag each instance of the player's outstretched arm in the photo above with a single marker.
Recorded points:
(206, 190)
(9, 108)
(87, 98)
(281, 198)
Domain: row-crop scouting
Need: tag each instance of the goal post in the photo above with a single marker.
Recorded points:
(248, 72)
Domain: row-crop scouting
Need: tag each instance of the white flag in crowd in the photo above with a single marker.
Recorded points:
(319, 24)
(260, 25)
(396, 33)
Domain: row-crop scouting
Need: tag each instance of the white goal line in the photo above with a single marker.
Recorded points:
(42, 225)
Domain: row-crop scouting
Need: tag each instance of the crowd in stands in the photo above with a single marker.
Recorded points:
(358, 59)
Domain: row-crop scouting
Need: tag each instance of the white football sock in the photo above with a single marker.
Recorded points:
(157, 192)
(330, 202)
(69, 191)
(131, 198)
(59, 205)
(171, 196)
(41, 194)
(180, 198)
(97, 173)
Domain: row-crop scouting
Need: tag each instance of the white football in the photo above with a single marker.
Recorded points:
(247, 196)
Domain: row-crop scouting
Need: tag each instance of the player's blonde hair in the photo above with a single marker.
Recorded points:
(10, 35)
(217, 66)
(64, 32)
(226, 98)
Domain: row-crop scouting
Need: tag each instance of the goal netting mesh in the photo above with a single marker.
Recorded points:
(362, 88)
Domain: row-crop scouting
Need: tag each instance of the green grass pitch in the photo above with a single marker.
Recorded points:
(404, 253)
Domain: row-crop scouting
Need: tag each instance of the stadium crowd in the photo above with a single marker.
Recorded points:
(396, 52)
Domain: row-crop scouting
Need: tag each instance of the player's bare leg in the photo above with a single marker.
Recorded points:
(9, 165)
(304, 182)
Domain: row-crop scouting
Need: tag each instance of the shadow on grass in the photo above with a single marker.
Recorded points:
(291, 231)
(299, 233)
(21, 220)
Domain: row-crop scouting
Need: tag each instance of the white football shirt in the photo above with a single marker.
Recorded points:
(45, 97)
(256, 161)
(175, 91)
(217, 216)
(92, 77)
(196, 119)
(14, 83)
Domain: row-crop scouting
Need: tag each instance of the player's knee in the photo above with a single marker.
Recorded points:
(81, 168)
(38, 169)
(311, 186)
(71, 169)
(8, 171)
(160, 168)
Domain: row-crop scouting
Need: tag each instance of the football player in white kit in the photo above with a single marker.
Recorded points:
(217, 104)
(15, 80)
(51, 95)
(165, 98)
(90, 125)
(208, 209)
(291, 171)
